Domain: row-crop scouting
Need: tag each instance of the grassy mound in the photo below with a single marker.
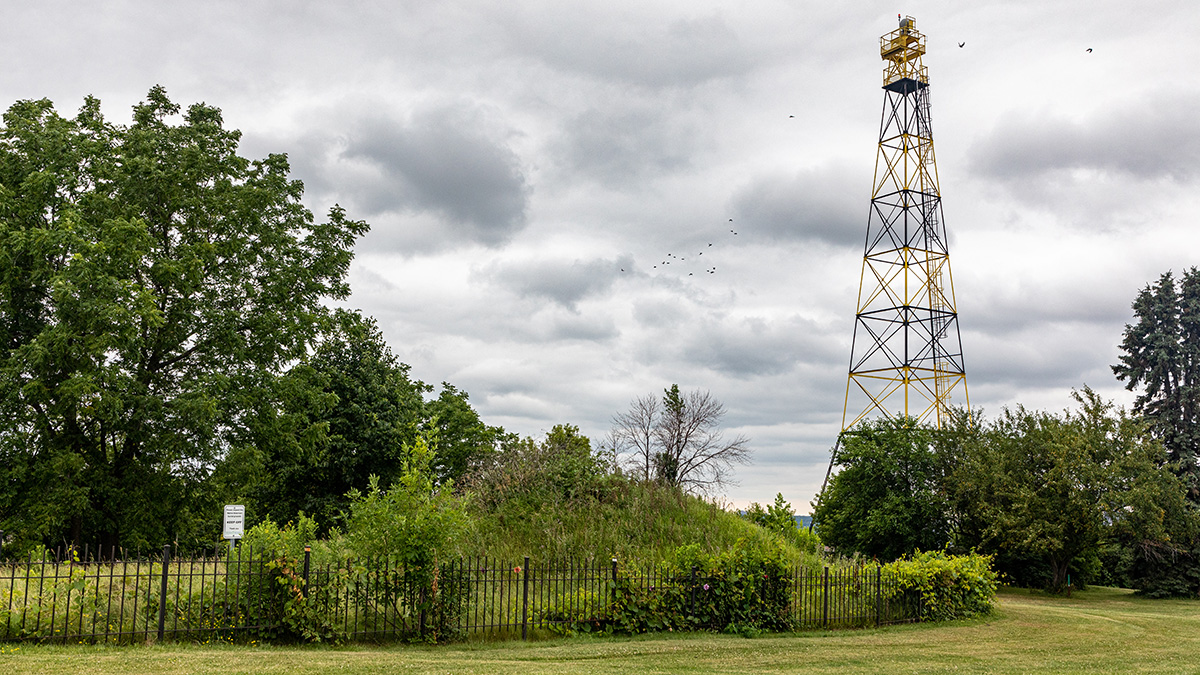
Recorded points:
(631, 521)
(557, 499)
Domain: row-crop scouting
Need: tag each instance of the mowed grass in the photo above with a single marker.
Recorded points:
(1100, 631)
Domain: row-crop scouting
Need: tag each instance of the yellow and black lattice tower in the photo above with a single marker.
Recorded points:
(907, 354)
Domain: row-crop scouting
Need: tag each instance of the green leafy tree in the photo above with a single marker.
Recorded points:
(414, 522)
(1161, 357)
(153, 283)
(781, 519)
(561, 468)
(1046, 491)
(887, 498)
(361, 410)
(464, 441)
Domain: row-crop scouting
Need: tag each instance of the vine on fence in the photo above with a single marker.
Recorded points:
(744, 589)
(951, 586)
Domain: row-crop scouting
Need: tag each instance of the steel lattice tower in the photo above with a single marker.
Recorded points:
(906, 357)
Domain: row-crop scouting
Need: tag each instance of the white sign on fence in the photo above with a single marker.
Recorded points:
(235, 521)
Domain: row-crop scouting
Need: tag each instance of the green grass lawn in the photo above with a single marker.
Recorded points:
(1100, 631)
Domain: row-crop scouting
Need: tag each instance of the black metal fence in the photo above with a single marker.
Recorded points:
(238, 596)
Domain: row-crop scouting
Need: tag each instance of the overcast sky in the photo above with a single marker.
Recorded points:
(525, 165)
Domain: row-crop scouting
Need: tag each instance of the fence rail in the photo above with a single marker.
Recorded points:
(118, 598)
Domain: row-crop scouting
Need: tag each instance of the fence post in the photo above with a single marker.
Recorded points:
(692, 609)
(307, 553)
(525, 600)
(614, 580)
(878, 591)
(825, 601)
(162, 592)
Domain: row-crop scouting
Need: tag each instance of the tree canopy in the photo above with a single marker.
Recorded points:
(153, 283)
(1161, 357)
(887, 498)
(1044, 493)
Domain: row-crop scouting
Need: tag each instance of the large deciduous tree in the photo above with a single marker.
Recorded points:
(1161, 357)
(153, 283)
(1046, 490)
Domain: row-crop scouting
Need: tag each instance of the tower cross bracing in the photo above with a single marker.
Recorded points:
(906, 357)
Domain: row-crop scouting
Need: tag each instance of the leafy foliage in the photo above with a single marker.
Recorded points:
(951, 586)
(413, 522)
(887, 498)
(1040, 487)
(1050, 497)
(152, 284)
(744, 588)
(559, 497)
(1162, 357)
(349, 411)
(781, 519)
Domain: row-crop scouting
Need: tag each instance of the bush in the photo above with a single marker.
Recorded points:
(951, 586)
(744, 589)
(780, 519)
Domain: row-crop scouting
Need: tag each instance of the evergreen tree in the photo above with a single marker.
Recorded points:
(1162, 358)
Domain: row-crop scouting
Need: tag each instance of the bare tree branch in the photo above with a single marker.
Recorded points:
(633, 434)
(678, 440)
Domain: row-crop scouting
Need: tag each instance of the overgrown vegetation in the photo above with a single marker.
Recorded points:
(951, 586)
(1046, 495)
(558, 497)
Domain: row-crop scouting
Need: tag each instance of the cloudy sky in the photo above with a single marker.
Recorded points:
(524, 165)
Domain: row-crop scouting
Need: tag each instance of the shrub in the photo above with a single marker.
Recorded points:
(780, 519)
(745, 588)
(951, 586)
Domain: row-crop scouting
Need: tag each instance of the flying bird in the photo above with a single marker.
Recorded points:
(791, 116)
(1089, 50)
(961, 45)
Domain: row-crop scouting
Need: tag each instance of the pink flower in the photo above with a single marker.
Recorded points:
(706, 587)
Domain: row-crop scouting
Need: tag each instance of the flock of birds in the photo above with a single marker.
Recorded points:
(682, 261)
(679, 260)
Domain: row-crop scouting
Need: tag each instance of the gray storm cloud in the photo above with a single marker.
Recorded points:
(623, 143)
(562, 282)
(827, 204)
(444, 177)
(1159, 137)
(649, 51)
(443, 161)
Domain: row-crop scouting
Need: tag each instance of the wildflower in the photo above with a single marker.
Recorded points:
(517, 569)
(706, 587)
